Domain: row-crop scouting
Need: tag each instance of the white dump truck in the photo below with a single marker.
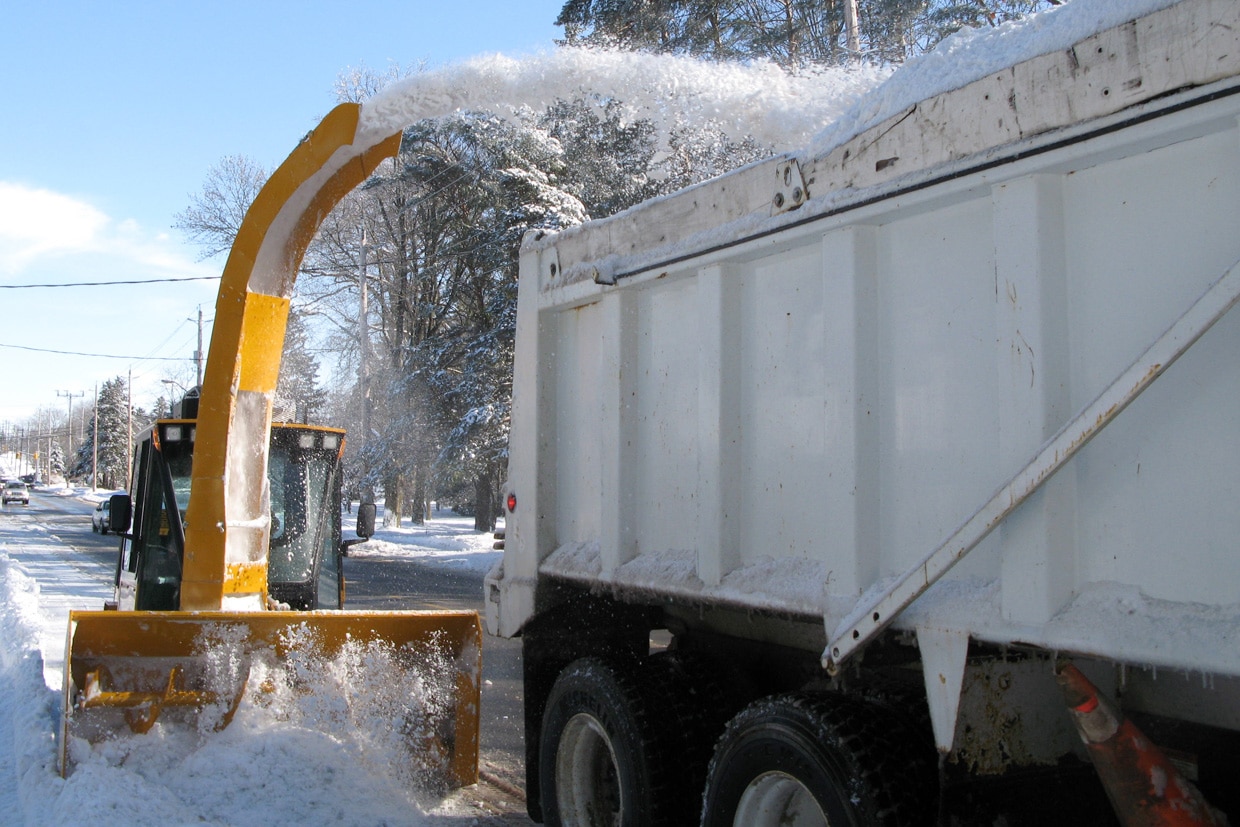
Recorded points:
(931, 439)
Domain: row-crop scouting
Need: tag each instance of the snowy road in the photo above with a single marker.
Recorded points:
(52, 541)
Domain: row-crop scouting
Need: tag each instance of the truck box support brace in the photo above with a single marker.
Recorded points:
(878, 610)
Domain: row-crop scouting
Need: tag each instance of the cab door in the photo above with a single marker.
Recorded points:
(149, 569)
(126, 586)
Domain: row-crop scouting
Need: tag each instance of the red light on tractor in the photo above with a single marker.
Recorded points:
(511, 502)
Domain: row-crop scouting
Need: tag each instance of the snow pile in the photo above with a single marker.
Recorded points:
(313, 740)
(27, 706)
(446, 540)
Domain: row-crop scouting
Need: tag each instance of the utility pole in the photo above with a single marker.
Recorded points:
(94, 462)
(69, 446)
(198, 352)
(129, 429)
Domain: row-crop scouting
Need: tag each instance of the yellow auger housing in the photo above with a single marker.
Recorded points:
(126, 671)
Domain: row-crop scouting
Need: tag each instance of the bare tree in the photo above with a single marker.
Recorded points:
(214, 216)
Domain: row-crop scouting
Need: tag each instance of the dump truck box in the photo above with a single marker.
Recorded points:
(954, 397)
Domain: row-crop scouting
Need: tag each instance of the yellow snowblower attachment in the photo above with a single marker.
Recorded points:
(129, 671)
(125, 672)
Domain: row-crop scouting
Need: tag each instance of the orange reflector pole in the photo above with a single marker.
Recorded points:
(1145, 788)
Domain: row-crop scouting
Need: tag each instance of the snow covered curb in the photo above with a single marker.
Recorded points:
(28, 709)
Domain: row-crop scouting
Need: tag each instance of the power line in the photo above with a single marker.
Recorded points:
(98, 355)
(108, 283)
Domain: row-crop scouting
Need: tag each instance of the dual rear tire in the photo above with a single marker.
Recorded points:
(627, 745)
(811, 760)
(613, 750)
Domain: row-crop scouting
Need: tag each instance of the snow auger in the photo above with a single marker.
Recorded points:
(129, 671)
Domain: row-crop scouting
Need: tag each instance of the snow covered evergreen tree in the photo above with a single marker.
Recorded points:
(298, 396)
(57, 460)
(110, 421)
(792, 33)
(609, 160)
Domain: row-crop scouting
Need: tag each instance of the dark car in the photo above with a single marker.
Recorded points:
(101, 521)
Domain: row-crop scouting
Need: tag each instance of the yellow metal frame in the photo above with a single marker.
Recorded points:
(125, 669)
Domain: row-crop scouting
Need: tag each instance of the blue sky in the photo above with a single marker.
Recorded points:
(113, 115)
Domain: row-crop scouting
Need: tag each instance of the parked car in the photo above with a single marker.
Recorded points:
(101, 521)
(15, 492)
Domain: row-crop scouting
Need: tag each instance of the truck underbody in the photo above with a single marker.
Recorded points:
(1016, 758)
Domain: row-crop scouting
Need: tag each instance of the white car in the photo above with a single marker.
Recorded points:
(101, 521)
(15, 492)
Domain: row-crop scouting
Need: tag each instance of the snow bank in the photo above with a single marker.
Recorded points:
(446, 540)
(28, 708)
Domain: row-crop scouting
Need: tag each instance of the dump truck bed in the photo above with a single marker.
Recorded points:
(781, 391)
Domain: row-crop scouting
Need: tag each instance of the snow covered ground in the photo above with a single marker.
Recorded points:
(262, 769)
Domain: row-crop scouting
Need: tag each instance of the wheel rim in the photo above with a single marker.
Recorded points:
(776, 799)
(586, 781)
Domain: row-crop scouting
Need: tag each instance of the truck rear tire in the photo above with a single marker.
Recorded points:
(605, 754)
(809, 760)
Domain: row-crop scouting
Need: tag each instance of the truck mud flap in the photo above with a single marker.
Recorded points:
(127, 672)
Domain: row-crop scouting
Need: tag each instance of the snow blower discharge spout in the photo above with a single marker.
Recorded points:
(129, 671)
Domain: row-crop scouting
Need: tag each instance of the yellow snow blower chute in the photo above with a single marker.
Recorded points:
(128, 671)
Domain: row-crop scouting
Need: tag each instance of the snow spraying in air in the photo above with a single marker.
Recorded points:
(756, 99)
(808, 112)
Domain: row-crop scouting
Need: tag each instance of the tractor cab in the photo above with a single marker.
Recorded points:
(304, 569)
